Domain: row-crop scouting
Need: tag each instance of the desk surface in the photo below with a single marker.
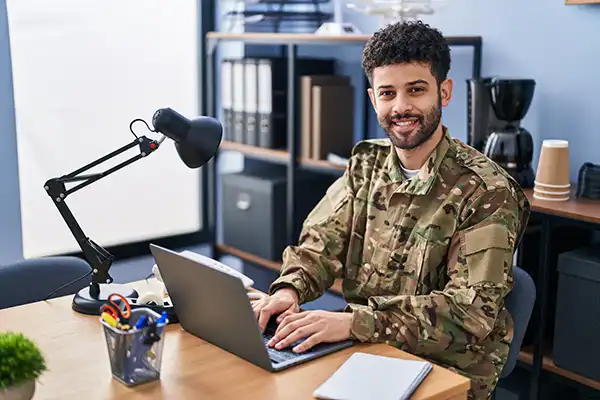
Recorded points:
(75, 350)
(575, 208)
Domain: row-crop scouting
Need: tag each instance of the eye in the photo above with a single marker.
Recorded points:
(416, 90)
(385, 93)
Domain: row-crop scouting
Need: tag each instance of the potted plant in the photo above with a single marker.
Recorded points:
(21, 363)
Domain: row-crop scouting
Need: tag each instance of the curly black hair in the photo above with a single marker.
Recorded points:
(405, 42)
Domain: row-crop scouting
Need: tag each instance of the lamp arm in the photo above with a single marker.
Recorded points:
(99, 259)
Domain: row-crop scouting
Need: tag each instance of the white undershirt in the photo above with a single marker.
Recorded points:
(408, 173)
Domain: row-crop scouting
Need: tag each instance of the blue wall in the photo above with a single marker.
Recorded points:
(542, 39)
(10, 213)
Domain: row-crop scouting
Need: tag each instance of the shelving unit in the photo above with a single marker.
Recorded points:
(289, 157)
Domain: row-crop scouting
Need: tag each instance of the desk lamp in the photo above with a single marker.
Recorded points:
(196, 141)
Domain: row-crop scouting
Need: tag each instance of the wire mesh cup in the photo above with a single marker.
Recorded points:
(136, 354)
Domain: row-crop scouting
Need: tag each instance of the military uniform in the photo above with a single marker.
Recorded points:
(426, 262)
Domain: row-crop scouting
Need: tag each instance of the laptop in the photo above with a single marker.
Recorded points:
(214, 306)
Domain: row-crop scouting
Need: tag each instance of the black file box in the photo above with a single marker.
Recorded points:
(577, 321)
(255, 208)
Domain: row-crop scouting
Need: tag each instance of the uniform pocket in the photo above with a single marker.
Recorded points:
(488, 253)
(392, 272)
(418, 268)
(354, 258)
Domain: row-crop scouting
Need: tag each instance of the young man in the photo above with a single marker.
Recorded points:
(422, 228)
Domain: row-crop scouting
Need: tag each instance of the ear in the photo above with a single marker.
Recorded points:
(446, 91)
(372, 97)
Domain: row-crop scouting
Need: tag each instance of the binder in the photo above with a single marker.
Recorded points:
(238, 100)
(251, 101)
(265, 106)
(332, 125)
(226, 98)
(306, 84)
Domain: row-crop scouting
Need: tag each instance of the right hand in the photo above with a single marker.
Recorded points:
(284, 302)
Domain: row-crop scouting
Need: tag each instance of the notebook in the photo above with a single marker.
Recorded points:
(367, 376)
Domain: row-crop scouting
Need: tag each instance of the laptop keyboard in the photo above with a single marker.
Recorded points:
(279, 355)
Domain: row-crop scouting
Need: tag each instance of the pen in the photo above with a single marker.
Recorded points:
(163, 318)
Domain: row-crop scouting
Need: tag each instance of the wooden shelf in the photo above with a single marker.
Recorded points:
(311, 38)
(526, 356)
(278, 156)
(273, 265)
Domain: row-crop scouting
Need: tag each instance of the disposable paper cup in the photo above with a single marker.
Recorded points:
(553, 165)
(540, 197)
(551, 196)
(546, 191)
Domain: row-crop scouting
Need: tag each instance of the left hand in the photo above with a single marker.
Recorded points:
(316, 326)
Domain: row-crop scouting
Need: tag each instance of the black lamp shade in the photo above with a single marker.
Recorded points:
(196, 140)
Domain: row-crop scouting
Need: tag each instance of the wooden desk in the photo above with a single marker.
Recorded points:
(75, 350)
(575, 208)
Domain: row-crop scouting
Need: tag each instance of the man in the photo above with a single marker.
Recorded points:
(422, 228)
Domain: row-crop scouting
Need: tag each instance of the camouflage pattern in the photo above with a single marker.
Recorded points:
(426, 262)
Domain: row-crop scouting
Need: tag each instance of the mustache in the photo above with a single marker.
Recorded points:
(391, 118)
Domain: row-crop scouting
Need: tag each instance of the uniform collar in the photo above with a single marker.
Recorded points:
(421, 183)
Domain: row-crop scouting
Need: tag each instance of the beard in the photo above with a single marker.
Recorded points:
(426, 124)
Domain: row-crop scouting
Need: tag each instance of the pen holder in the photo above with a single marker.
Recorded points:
(134, 357)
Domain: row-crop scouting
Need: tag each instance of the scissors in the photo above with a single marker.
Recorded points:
(118, 307)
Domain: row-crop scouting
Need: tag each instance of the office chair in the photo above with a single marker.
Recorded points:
(28, 281)
(519, 304)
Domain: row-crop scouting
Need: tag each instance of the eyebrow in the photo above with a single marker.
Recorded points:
(417, 82)
(412, 83)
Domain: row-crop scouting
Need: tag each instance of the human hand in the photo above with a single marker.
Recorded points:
(284, 301)
(315, 326)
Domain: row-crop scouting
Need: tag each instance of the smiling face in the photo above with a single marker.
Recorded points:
(408, 102)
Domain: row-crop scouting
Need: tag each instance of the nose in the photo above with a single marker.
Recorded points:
(402, 104)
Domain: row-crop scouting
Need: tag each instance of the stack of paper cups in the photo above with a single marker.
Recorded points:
(552, 176)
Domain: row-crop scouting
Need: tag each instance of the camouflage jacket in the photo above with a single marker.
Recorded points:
(426, 262)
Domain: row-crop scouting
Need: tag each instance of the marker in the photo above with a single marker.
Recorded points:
(141, 322)
(109, 319)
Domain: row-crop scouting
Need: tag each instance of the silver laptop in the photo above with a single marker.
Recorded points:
(214, 306)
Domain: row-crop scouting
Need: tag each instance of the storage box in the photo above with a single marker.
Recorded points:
(577, 323)
(255, 208)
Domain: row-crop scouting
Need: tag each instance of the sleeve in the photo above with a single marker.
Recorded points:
(479, 270)
(312, 265)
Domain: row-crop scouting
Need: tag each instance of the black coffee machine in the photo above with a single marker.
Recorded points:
(496, 107)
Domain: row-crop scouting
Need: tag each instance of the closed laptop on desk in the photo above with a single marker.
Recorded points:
(367, 376)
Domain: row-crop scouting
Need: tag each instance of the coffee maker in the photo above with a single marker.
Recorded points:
(496, 107)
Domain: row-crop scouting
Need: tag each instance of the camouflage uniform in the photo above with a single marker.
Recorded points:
(426, 262)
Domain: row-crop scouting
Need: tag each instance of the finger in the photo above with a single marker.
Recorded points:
(288, 319)
(309, 343)
(263, 317)
(290, 327)
(296, 335)
(283, 315)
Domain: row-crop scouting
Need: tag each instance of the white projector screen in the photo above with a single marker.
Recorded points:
(82, 71)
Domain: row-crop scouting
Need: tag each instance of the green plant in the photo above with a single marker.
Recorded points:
(20, 360)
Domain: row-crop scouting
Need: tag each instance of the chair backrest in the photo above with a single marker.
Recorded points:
(28, 281)
(519, 303)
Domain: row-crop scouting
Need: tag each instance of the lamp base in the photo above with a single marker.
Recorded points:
(85, 303)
